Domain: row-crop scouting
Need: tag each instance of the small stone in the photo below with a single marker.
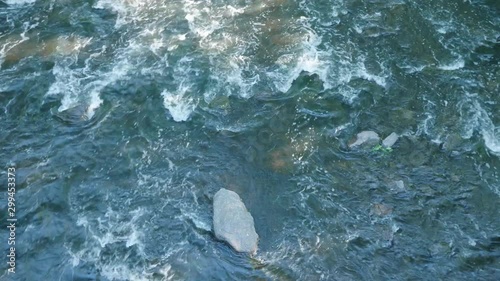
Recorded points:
(455, 178)
(281, 160)
(452, 142)
(381, 210)
(233, 223)
(397, 186)
(390, 140)
(365, 137)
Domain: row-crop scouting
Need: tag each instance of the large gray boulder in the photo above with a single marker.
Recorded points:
(233, 223)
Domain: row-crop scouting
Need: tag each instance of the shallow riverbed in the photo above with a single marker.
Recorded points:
(124, 117)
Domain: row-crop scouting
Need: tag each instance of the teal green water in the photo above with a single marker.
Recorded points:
(124, 117)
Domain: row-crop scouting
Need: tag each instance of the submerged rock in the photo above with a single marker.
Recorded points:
(397, 186)
(73, 115)
(390, 140)
(233, 223)
(381, 210)
(365, 137)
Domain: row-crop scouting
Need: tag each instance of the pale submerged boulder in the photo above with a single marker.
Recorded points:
(233, 223)
(390, 140)
(365, 137)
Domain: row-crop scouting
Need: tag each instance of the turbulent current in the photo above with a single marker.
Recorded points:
(122, 118)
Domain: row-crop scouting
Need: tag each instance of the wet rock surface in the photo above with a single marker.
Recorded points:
(397, 186)
(390, 140)
(233, 223)
(365, 138)
(381, 210)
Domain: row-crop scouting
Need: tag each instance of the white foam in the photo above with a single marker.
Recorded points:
(113, 228)
(9, 42)
(457, 64)
(3, 51)
(95, 102)
(123, 9)
(67, 83)
(233, 71)
(442, 30)
(310, 60)
(123, 272)
(231, 60)
(232, 11)
(19, 2)
(477, 118)
(414, 69)
(151, 16)
(363, 73)
(235, 76)
(202, 20)
(198, 222)
(491, 137)
(165, 271)
(179, 105)
(81, 85)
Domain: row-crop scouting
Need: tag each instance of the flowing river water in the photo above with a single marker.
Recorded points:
(124, 117)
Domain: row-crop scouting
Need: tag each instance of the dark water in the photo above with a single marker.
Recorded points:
(124, 117)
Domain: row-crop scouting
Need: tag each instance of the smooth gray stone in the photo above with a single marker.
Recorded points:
(397, 186)
(390, 140)
(365, 137)
(233, 223)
